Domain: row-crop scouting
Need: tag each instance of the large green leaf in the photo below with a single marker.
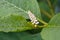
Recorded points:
(7, 9)
(13, 18)
(13, 23)
(20, 8)
(19, 36)
(26, 5)
(52, 31)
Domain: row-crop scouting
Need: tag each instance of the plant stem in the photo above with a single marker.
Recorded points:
(51, 9)
(43, 26)
(46, 13)
(42, 21)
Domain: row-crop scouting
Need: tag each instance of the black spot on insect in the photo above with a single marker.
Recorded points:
(28, 20)
(35, 30)
(40, 24)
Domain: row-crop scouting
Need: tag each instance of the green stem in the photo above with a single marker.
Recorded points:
(51, 8)
(43, 22)
(46, 13)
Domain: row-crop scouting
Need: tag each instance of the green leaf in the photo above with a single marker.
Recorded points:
(13, 15)
(14, 23)
(52, 31)
(19, 36)
(20, 8)
(6, 9)
(55, 21)
(26, 5)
